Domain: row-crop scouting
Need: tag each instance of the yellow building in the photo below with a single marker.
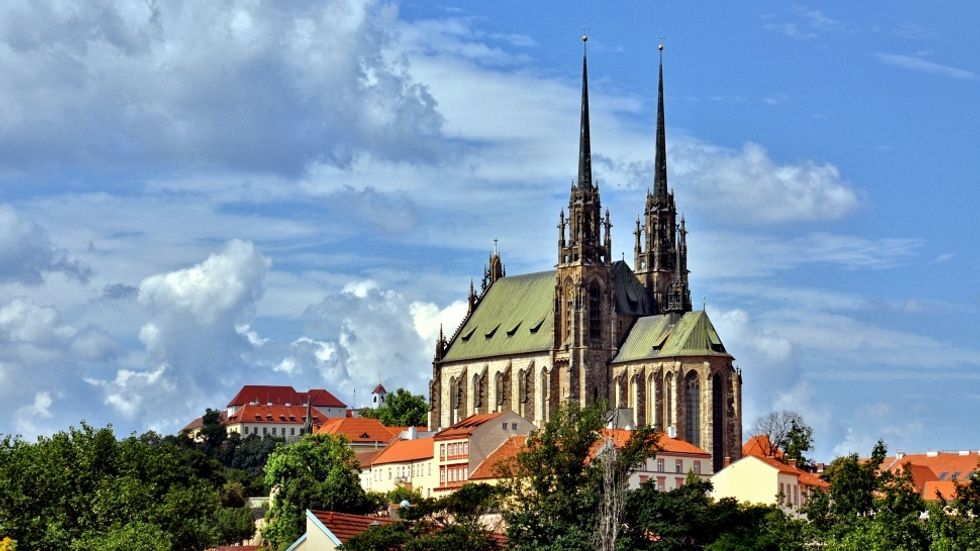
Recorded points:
(765, 481)
(405, 463)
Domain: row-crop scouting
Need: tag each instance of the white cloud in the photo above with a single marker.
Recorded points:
(260, 86)
(28, 420)
(27, 253)
(917, 64)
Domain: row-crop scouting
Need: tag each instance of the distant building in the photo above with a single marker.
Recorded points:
(378, 395)
(668, 469)
(404, 463)
(362, 432)
(935, 473)
(270, 410)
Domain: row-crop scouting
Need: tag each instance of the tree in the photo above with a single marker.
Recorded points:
(785, 432)
(555, 490)
(318, 472)
(401, 409)
(85, 489)
(7, 544)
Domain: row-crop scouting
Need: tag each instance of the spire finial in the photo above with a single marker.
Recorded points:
(585, 146)
(660, 157)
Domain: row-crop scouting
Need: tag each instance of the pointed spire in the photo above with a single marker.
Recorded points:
(585, 146)
(660, 158)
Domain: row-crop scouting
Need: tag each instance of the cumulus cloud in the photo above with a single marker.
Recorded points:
(28, 419)
(269, 86)
(27, 253)
(750, 187)
(196, 337)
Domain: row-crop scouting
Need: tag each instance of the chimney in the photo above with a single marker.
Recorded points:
(728, 460)
(792, 463)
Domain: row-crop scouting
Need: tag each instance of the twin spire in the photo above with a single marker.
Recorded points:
(585, 144)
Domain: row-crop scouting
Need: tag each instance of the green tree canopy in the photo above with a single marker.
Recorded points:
(401, 409)
(83, 485)
(318, 472)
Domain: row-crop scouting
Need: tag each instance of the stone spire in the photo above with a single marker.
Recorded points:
(660, 157)
(584, 144)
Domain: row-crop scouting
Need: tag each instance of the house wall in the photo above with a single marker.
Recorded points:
(669, 477)
(422, 475)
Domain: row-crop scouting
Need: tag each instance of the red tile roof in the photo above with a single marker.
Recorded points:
(506, 451)
(406, 450)
(934, 471)
(282, 395)
(380, 389)
(345, 526)
(294, 415)
(359, 429)
(760, 446)
(364, 458)
(465, 427)
(805, 477)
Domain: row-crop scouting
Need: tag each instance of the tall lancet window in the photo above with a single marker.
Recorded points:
(595, 312)
(692, 408)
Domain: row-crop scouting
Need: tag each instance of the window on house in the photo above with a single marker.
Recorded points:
(264, 431)
(503, 426)
(442, 475)
(660, 465)
(442, 451)
(678, 466)
(513, 426)
(678, 482)
(697, 467)
(662, 483)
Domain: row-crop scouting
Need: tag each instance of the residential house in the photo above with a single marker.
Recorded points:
(327, 530)
(766, 481)
(363, 433)
(404, 463)
(461, 448)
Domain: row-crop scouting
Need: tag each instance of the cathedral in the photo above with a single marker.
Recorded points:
(594, 329)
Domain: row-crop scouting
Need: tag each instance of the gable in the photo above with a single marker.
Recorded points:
(666, 336)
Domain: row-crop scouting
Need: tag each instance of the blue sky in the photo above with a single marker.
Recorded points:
(194, 196)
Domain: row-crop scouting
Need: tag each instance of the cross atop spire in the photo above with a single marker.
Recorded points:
(584, 145)
(660, 158)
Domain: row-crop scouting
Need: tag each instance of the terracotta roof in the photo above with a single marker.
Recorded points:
(364, 458)
(359, 429)
(406, 450)
(506, 451)
(667, 444)
(935, 488)
(199, 422)
(779, 465)
(380, 389)
(813, 480)
(345, 526)
(295, 415)
(465, 427)
(946, 465)
(282, 395)
(760, 446)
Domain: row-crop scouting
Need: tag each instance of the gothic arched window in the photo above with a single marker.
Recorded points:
(692, 408)
(595, 311)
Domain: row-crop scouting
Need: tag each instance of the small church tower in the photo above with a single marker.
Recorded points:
(379, 393)
(583, 289)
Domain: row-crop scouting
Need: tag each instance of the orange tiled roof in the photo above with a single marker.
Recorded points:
(358, 429)
(935, 488)
(504, 452)
(295, 415)
(760, 446)
(812, 480)
(345, 526)
(667, 444)
(465, 427)
(805, 477)
(405, 450)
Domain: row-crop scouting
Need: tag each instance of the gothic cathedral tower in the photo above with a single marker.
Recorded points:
(660, 251)
(584, 295)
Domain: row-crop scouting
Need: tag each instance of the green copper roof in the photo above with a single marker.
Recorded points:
(656, 337)
(514, 317)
